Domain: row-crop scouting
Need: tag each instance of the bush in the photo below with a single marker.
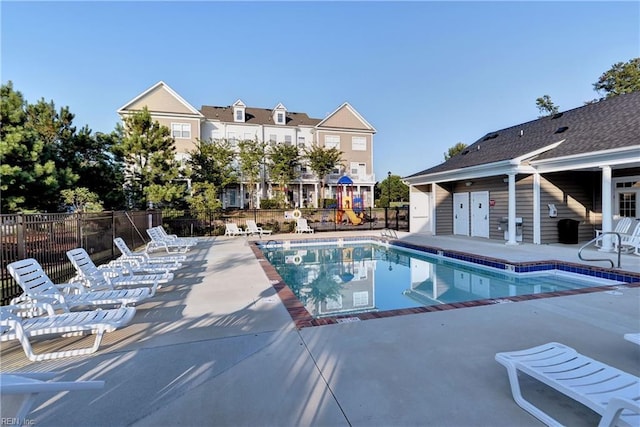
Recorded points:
(268, 204)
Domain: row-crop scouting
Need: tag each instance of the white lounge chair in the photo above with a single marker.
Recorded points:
(145, 257)
(110, 276)
(622, 227)
(629, 242)
(37, 287)
(158, 241)
(608, 391)
(97, 322)
(22, 388)
(302, 226)
(185, 240)
(143, 262)
(232, 229)
(634, 338)
(252, 229)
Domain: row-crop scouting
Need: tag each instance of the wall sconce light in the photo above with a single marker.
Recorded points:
(468, 183)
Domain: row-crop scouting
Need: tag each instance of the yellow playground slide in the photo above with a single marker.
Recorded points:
(355, 219)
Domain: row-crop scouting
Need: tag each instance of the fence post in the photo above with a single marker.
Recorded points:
(397, 215)
(79, 231)
(20, 236)
(113, 233)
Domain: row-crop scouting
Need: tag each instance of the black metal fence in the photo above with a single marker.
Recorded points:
(185, 223)
(47, 237)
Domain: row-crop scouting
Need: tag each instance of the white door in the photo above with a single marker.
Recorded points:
(480, 214)
(461, 214)
(420, 203)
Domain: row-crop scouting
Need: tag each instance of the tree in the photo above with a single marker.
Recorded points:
(203, 197)
(252, 156)
(82, 200)
(391, 190)
(322, 161)
(212, 161)
(546, 107)
(32, 138)
(148, 151)
(458, 148)
(622, 77)
(284, 160)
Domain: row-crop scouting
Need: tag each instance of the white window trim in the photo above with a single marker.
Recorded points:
(181, 130)
(332, 144)
(358, 143)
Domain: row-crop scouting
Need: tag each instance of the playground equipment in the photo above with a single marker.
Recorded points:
(349, 208)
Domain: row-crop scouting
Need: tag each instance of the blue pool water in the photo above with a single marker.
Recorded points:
(331, 280)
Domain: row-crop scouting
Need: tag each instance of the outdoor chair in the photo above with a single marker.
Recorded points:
(128, 253)
(252, 229)
(185, 240)
(608, 391)
(629, 242)
(622, 227)
(38, 287)
(20, 390)
(302, 226)
(158, 241)
(232, 229)
(97, 322)
(143, 262)
(111, 277)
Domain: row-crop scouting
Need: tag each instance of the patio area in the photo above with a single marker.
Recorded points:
(217, 348)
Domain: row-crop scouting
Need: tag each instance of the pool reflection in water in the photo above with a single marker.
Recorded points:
(334, 281)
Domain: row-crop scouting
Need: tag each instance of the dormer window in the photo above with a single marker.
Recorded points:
(239, 111)
(279, 115)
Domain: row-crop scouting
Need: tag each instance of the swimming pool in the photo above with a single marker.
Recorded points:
(352, 280)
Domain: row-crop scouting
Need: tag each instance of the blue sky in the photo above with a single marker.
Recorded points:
(426, 75)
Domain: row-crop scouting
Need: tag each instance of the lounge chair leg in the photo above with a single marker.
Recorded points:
(525, 404)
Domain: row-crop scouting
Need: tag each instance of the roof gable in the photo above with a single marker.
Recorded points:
(346, 117)
(160, 98)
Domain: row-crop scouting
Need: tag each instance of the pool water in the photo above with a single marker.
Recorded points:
(332, 280)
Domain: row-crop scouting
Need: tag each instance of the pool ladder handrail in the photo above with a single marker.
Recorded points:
(602, 259)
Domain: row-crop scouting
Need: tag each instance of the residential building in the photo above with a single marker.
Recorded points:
(518, 184)
(344, 128)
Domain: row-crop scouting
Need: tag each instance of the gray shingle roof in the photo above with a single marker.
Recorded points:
(257, 116)
(608, 124)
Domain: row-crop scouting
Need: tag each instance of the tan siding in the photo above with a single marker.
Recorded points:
(444, 211)
(349, 154)
(344, 118)
(183, 145)
(160, 100)
(572, 194)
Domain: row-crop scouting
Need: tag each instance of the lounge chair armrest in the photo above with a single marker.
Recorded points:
(27, 309)
(72, 288)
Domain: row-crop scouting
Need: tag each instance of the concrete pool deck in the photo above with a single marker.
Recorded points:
(218, 348)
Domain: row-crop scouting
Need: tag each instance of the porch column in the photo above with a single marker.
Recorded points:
(241, 195)
(607, 209)
(536, 208)
(316, 195)
(512, 210)
(300, 193)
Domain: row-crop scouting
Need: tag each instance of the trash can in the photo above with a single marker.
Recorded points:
(568, 231)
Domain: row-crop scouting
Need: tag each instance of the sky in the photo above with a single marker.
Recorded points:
(425, 75)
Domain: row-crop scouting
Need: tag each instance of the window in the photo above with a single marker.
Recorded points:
(280, 118)
(359, 143)
(181, 130)
(272, 139)
(231, 137)
(239, 115)
(627, 194)
(332, 141)
(287, 139)
(301, 141)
